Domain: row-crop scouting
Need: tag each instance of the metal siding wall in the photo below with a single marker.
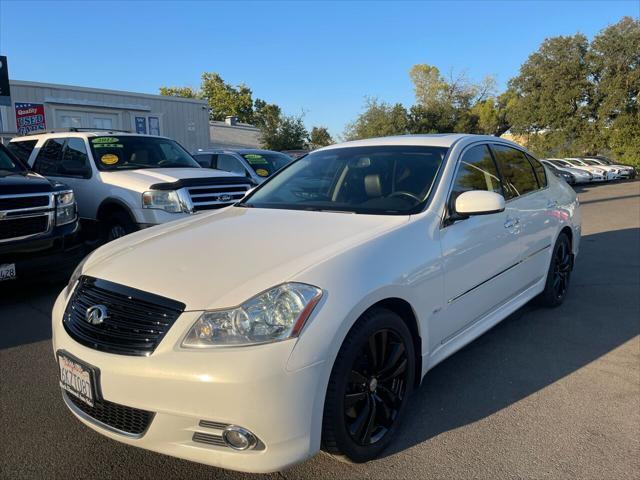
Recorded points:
(175, 115)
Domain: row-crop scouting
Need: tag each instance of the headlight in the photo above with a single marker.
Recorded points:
(166, 200)
(65, 207)
(277, 314)
(76, 275)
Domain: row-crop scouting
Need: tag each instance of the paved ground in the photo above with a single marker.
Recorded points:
(546, 394)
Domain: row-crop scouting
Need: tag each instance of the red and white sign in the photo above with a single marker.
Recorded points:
(30, 117)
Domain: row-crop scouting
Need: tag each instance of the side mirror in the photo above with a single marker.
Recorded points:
(479, 202)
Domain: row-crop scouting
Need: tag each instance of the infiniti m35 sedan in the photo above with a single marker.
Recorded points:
(303, 316)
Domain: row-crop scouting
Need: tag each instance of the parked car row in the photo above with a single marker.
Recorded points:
(588, 169)
(115, 183)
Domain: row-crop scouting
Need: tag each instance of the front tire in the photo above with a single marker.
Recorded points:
(370, 383)
(118, 225)
(559, 274)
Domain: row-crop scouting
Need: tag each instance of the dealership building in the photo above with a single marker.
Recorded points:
(43, 106)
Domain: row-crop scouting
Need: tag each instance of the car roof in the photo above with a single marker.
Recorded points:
(428, 140)
(82, 134)
(241, 151)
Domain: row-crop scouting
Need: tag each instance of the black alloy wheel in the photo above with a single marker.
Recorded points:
(376, 387)
(559, 273)
(371, 380)
(561, 270)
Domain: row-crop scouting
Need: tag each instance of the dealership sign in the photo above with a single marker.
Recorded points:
(30, 117)
(5, 92)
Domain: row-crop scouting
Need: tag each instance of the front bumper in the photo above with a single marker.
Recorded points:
(244, 386)
(55, 253)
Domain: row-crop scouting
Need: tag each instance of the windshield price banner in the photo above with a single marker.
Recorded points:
(30, 117)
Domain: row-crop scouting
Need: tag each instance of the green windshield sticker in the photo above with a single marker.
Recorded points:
(108, 145)
(255, 159)
(105, 140)
(261, 172)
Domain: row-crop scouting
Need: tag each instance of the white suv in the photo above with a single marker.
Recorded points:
(124, 182)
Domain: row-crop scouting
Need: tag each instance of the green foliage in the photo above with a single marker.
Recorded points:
(379, 119)
(185, 92)
(319, 137)
(224, 99)
(572, 97)
(281, 132)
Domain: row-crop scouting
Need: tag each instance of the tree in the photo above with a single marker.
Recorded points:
(320, 137)
(378, 119)
(278, 131)
(551, 93)
(185, 92)
(224, 99)
(615, 68)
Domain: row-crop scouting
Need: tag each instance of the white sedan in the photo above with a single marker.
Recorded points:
(323, 299)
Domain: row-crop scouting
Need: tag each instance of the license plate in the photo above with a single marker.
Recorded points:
(77, 378)
(7, 271)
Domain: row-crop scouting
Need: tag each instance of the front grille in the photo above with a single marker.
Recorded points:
(135, 324)
(120, 417)
(15, 203)
(211, 197)
(23, 226)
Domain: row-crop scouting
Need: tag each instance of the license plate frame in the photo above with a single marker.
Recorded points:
(71, 368)
(8, 272)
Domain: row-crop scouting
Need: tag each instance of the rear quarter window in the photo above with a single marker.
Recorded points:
(540, 171)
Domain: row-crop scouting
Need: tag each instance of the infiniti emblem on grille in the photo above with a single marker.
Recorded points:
(3, 215)
(96, 315)
(224, 198)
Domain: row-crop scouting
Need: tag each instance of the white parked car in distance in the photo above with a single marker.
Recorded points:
(580, 176)
(334, 288)
(123, 181)
(609, 172)
(598, 174)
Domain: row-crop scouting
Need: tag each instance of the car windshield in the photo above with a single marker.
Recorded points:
(574, 162)
(9, 164)
(591, 162)
(388, 180)
(127, 152)
(266, 164)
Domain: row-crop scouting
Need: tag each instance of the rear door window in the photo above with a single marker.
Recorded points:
(75, 161)
(22, 149)
(49, 157)
(517, 173)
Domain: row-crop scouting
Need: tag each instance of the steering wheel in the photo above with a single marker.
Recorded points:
(405, 194)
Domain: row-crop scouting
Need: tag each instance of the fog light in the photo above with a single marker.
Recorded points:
(238, 438)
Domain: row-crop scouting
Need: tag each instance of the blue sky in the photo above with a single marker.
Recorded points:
(322, 58)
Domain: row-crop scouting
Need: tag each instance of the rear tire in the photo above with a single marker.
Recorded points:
(558, 275)
(370, 383)
(118, 225)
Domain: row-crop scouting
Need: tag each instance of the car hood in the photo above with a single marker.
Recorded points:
(23, 182)
(221, 259)
(143, 179)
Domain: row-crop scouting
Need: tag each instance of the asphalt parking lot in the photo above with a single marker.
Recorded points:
(545, 394)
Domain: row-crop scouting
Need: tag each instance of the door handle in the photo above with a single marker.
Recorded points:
(552, 204)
